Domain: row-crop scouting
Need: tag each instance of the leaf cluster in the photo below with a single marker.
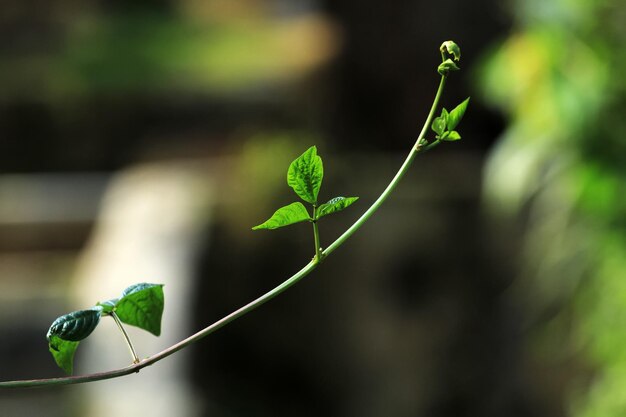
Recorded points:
(305, 175)
(445, 124)
(140, 305)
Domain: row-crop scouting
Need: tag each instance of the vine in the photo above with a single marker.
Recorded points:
(141, 305)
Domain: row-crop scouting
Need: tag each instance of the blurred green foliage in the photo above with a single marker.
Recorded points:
(145, 51)
(562, 164)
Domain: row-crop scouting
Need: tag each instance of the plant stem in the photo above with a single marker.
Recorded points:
(126, 338)
(415, 150)
(418, 148)
(316, 236)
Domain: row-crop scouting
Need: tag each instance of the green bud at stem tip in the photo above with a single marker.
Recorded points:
(449, 49)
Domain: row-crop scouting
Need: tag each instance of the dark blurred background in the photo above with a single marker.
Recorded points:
(140, 141)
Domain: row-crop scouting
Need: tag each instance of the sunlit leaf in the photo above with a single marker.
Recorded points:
(142, 305)
(457, 114)
(305, 175)
(284, 216)
(335, 205)
(439, 125)
(63, 352)
(452, 136)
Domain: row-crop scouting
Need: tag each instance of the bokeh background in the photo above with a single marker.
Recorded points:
(140, 141)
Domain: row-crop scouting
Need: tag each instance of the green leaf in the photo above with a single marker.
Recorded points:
(284, 216)
(142, 305)
(334, 205)
(67, 331)
(457, 114)
(305, 175)
(63, 352)
(452, 136)
(439, 125)
(76, 325)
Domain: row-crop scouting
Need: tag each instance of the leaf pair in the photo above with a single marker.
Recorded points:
(305, 176)
(140, 305)
(445, 124)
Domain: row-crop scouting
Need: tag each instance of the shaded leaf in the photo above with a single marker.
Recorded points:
(334, 205)
(63, 352)
(305, 175)
(76, 325)
(284, 216)
(142, 305)
(457, 114)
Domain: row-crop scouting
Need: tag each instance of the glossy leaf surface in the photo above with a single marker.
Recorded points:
(305, 175)
(76, 325)
(335, 205)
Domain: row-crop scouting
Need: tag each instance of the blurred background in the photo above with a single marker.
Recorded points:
(140, 141)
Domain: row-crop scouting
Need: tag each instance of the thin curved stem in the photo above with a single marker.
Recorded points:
(419, 147)
(126, 338)
(172, 349)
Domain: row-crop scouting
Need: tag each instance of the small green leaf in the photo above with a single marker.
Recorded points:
(305, 175)
(335, 205)
(450, 48)
(439, 125)
(284, 216)
(63, 352)
(142, 305)
(457, 114)
(452, 136)
(76, 325)
(446, 66)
